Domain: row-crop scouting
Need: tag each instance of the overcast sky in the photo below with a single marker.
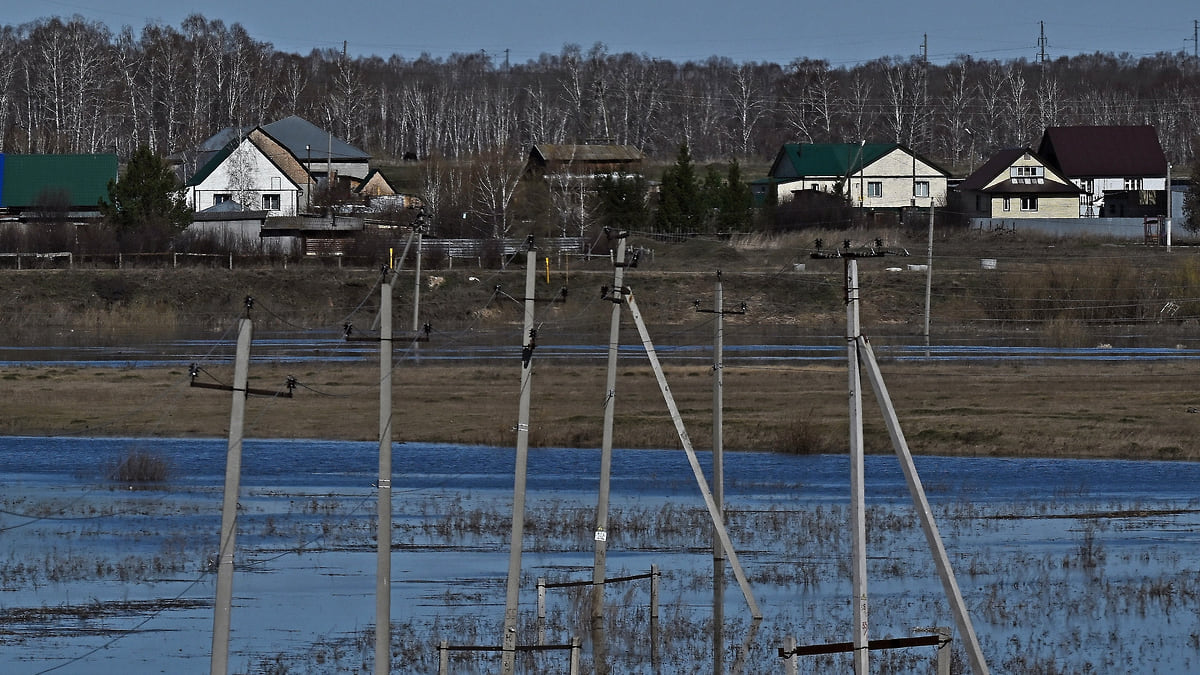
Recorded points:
(844, 33)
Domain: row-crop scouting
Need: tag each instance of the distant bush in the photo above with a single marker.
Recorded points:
(140, 466)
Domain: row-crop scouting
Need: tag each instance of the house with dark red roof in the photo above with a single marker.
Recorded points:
(1121, 170)
(1019, 183)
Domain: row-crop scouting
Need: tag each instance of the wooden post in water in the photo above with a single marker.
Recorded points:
(383, 528)
(233, 471)
(513, 587)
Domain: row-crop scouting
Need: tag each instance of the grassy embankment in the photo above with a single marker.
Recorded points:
(1044, 291)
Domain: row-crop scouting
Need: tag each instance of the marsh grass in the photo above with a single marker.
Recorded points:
(138, 467)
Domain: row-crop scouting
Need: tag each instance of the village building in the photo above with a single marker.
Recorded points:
(1019, 183)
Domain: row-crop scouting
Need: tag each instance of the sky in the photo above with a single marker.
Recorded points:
(844, 33)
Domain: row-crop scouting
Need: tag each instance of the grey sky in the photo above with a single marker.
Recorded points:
(844, 33)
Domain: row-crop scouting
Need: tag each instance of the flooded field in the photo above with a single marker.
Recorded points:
(1065, 565)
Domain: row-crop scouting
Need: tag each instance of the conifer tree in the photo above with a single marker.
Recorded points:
(679, 196)
(146, 202)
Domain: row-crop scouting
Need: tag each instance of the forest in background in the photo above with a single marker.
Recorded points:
(70, 85)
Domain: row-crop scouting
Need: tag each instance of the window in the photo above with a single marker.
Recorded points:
(1027, 172)
(1006, 206)
(1133, 184)
(1029, 204)
(921, 188)
(270, 202)
(221, 198)
(874, 188)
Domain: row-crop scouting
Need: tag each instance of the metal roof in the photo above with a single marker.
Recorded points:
(84, 178)
(304, 139)
(803, 160)
(1104, 151)
(588, 153)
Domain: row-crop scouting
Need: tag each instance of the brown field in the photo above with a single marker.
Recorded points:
(1047, 292)
(1071, 409)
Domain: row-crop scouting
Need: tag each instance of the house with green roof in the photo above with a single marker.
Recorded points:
(869, 175)
(74, 181)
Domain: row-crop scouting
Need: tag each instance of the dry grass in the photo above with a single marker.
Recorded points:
(1057, 409)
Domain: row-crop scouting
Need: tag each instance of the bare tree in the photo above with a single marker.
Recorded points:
(494, 179)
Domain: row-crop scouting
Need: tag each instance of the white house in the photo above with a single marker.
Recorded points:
(871, 175)
(246, 174)
(1121, 171)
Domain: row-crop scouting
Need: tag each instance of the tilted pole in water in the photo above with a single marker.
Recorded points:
(686, 441)
(233, 472)
(858, 526)
(383, 528)
(601, 533)
(512, 591)
(921, 503)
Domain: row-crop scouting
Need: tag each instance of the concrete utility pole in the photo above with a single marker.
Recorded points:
(599, 651)
(858, 525)
(861, 354)
(718, 473)
(383, 528)
(512, 590)
(928, 277)
(233, 472)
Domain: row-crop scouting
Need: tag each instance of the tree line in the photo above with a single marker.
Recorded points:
(70, 85)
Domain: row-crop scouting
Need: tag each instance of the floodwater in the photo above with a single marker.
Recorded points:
(1065, 565)
(693, 345)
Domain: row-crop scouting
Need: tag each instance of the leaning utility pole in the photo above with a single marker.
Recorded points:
(509, 647)
(233, 473)
(606, 449)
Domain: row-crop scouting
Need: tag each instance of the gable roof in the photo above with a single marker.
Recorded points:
(302, 137)
(84, 178)
(265, 146)
(799, 160)
(999, 165)
(1104, 151)
(550, 152)
(376, 184)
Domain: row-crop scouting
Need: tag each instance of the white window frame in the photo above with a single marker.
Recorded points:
(874, 189)
(222, 197)
(1029, 203)
(1007, 205)
(275, 198)
(921, 188)
(1133, 184)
